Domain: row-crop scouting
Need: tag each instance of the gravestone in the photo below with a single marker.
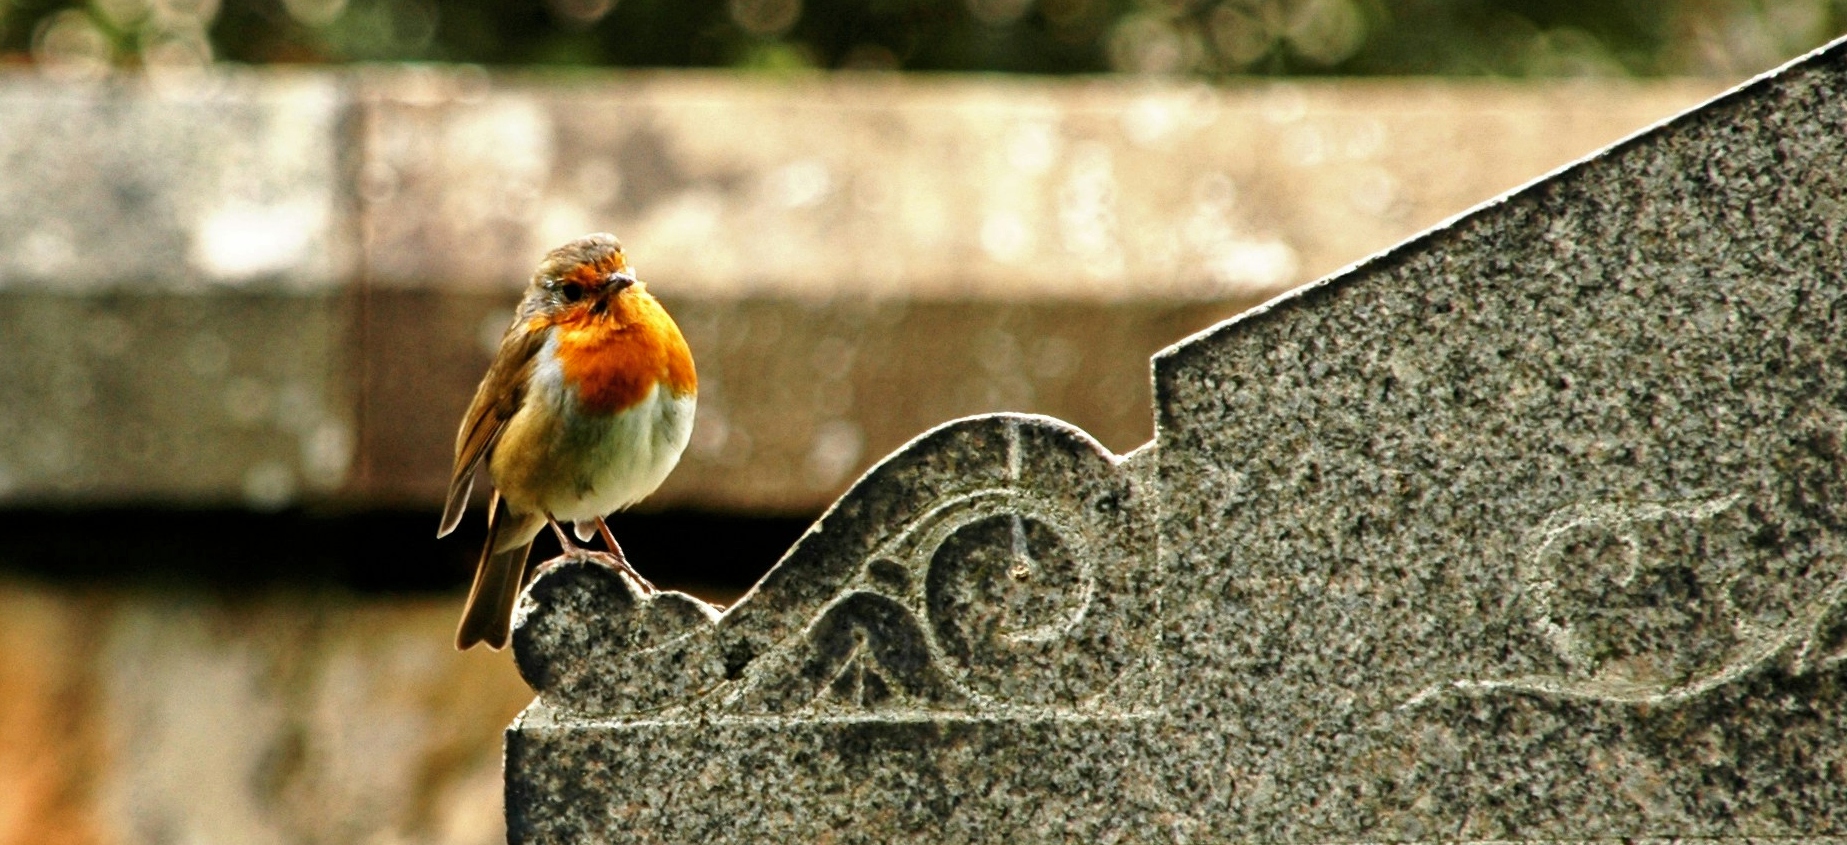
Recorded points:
(1531, 529)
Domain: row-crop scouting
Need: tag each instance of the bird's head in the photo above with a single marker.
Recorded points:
(583, 278)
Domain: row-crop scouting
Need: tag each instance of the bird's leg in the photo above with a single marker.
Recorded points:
(615, 551)
(564, 537)
(609, 539)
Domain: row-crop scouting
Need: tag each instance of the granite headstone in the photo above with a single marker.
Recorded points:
(1533, 528)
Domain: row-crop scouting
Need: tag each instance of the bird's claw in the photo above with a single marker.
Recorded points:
(646, 587)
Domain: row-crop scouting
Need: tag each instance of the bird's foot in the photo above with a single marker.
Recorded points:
(615, 555)
(565, 544)
(615, 551)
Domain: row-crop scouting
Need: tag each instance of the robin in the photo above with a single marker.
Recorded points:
(585, 410)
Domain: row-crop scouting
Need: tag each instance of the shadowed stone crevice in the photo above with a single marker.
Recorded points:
(1529, 529)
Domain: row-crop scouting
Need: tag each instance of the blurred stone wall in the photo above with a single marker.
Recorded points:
(259, 289)
(266, 288)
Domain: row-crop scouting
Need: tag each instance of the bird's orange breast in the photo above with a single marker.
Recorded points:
(614, 357)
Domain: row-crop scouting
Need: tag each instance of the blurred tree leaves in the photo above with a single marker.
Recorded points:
(1194, 37)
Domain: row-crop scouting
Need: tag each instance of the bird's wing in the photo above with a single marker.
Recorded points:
(502, 391)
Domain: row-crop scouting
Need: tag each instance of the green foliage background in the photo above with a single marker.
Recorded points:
(1196, 37)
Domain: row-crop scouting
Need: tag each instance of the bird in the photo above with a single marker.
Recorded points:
(584, 411)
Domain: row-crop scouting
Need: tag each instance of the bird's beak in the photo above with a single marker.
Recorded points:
(615, 282)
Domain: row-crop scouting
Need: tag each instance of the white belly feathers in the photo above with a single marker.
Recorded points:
(624, 456)
(601, 463)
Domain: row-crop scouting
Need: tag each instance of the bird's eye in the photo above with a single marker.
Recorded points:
(571, 291)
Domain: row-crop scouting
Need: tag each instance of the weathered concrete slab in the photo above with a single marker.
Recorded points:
(929, 247)
(1530, 529)
(174, 268)
(235, 179)
(953, 188)
(236, 398)
(1024, 248)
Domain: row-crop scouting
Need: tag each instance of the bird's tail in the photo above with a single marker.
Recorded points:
(489, 616)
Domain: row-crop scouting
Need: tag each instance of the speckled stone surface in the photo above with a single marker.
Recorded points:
(1535, 527)
(1531, 529)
